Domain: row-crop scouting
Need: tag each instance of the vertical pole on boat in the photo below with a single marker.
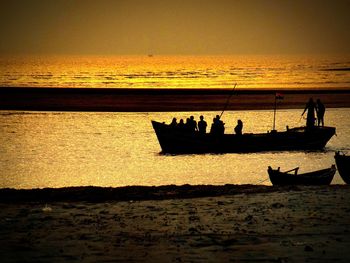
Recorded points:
(278, 96)
(228, 100)
(274, 113)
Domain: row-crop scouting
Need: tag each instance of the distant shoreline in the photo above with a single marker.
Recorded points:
(162, 100)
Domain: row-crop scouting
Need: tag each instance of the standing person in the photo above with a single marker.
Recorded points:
(181, 125)
(239, 127)
(320, 110)
(220, 125)
(193, 124)
(202, 125)
(188, 125)
(213, 128)
(310, 118)
(173, 123)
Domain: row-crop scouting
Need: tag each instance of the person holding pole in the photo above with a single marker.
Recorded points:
(310, 118)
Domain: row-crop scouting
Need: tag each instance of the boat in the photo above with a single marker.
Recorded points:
(343, 165)
(291, 177)
(177, 141)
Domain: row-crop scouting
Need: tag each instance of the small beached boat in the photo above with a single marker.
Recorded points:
(176, 141)
(343, 165)
(291, 177)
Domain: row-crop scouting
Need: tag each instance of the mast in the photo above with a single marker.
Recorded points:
(280, 97)
(228, 100)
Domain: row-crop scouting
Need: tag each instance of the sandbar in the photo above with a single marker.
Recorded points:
(162, 100)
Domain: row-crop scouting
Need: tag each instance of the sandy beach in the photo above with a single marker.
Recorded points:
(176, 224)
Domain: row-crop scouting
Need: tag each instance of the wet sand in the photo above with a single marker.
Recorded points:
(176, 224)
(147, 100)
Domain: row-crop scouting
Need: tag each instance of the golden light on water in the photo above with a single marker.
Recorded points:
(174, 71)
(61, 149)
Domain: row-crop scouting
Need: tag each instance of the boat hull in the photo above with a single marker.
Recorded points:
(343, 165)
(321, 177)
(179, 142)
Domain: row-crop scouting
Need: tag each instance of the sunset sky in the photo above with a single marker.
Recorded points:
(118, 27)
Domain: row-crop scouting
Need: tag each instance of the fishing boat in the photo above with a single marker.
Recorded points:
(291, 177)
(177, 141)
(343, 165)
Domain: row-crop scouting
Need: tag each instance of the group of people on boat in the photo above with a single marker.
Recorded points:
(217, 127)
(190, 125)
(312, 108)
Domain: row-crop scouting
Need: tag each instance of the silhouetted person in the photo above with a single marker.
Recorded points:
(188, 125)
(181, 125)
(173, 123)
(221, 125)
(239, 127)
(193, 124)
(320, 110)
(310, 118)
(202, 125)
(218, 126)
(213, 128)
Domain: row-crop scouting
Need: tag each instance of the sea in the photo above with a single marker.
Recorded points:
(41, 149)
(250, 71)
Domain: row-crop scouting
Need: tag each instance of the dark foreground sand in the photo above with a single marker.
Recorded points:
(229, 223)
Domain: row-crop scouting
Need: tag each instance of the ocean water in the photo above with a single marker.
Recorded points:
(176, 71)
(58, 149)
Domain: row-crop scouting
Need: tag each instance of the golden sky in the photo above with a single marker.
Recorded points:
(183, 27)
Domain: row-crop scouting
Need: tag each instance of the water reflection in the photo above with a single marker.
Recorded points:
(45, 149)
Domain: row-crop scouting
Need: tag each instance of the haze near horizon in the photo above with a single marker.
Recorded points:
(192, 27)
